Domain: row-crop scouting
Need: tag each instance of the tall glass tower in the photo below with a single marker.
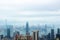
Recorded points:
(27, 28)
(8, 32)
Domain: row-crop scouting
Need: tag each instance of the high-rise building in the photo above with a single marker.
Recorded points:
(16, 35)
(57, 36)
(52, 34)
(45, 29)
(58, 31)
(48, 36)
(8, 32)
(1, 36)
(35, 35)
(27, 28)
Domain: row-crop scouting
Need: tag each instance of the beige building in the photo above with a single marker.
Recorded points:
(35, 35)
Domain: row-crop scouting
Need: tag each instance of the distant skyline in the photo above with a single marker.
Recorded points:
(40, 11)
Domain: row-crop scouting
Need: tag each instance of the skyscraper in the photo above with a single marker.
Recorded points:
(45, 29)
(27, 28)
(57, 37)
(36, 35)
(58, 31)
(16, 35)
(48, 36)
(1, 36)
(8, 32)
(58, 34)
(52, 34)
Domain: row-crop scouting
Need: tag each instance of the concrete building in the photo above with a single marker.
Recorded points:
(35, 35)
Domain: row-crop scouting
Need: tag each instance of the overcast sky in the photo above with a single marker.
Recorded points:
(44, 11)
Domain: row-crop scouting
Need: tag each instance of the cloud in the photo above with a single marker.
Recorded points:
(31, 10)
(31, 4)
(29, 13)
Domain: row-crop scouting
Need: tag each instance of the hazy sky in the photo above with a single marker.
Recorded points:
(44, 11)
